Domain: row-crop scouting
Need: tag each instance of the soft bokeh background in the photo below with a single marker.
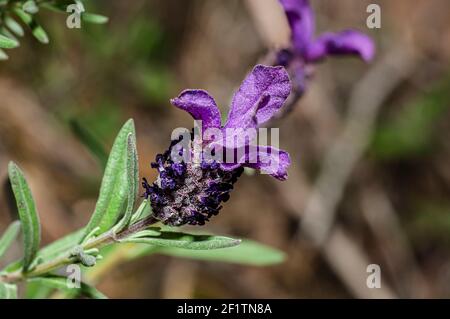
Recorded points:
(370, 179)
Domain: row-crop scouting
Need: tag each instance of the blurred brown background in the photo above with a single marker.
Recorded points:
(370, 178)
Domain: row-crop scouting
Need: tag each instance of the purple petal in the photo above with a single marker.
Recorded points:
(260, 96)
(267, 159)
(301, 20)
(342, 43)
(200, 105)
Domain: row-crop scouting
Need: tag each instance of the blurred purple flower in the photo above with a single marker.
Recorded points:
(190, 193)
(307, 49)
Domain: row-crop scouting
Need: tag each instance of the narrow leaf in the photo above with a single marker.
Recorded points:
(247, 253)
(3, 55)
(14, 26)
(8, 291)
(114, 189)
(94, 18)
(8, 237)
(8, 43)
(186, 241)
(27, 213)
(132, 181)
(30, 7)
(61, 283)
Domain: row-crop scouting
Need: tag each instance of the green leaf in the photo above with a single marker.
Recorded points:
(30, 7)
(247, 253)
(114, 189)
(94, 18)
(8, 237)
(185, 241)
(27, 213)
(8, 291)
(8, 43)
(14, 26)
(132, 181)
(90, 141)
(60, 283)
(144, 210)
(3, 55)
(38, 32)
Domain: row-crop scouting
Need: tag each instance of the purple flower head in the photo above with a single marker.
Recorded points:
(189, 192)
(307, 49)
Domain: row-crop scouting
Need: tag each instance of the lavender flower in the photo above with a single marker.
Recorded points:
(306, 50)
(190, 193)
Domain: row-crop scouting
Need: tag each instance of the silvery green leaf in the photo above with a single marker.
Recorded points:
(27, 213)
(8, 291)
(30, 7)
(132, 181)
(61, 283)
(8, 43)
(114, 189)
(38, 32)
(186, 241)
(14, 26)
(9, 236)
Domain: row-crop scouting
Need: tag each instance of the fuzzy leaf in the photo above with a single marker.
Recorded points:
(186, 241)
(8, 237)
(132, 181)
(60, 283)
(8, 43)
(27, 213)
(114, 189)
(8, 291)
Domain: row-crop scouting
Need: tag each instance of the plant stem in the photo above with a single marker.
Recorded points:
(98, 242)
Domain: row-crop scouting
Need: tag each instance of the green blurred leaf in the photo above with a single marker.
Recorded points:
(30, 7)
(8, 43)
(114, 189)
(90, 141)
(60, 283)
(413, 131)
(14, 26)
(183, 240)
(27, 213)
(34, 290)
(8, 291)
(38, 32)
(8, 237)
(3, 55)
(132, 181)
(94, 18)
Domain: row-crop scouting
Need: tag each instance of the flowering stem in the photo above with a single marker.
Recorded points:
(103, 240)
